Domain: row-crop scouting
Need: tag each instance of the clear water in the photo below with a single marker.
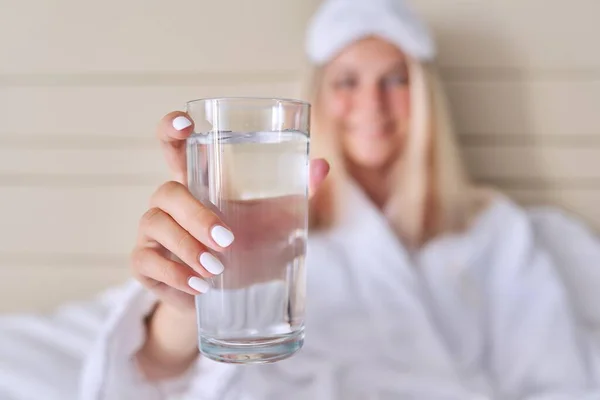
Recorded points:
(257, 183)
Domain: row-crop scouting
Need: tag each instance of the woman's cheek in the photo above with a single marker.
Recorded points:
(338, 106)
(400, 103)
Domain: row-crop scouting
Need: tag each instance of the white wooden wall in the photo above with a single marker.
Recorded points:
(82, 85)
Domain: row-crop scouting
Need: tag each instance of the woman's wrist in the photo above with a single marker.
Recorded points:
(171, 343)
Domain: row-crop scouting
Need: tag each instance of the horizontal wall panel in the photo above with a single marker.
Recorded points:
(488, 161)
(532, 162)
(83, 162)
(582, 204)
(39, 288)
(530, 34)
(66, 220)
(556, 141)
(111, 111)
(232, 35)
(69, 36)
(104, 220)
(42, 286)
(528, 108)
(38, 281)
(143, 78)
(83, 85)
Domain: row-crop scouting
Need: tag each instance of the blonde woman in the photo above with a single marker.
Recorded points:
(421, 285)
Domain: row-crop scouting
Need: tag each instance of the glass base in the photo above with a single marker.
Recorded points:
(252, 351)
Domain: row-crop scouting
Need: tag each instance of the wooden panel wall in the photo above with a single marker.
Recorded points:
(83, 84)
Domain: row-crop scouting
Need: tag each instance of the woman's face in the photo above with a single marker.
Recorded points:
(365, 95)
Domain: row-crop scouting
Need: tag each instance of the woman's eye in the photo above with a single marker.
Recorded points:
(346, 83)
(395, 80)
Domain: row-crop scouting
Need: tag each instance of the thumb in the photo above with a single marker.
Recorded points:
(318, 171)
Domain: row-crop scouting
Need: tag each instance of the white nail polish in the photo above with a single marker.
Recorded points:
(211, 263)
(181, 122)
(222, 236)
(199, 285)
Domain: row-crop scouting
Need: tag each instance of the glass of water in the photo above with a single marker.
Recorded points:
(248, 161)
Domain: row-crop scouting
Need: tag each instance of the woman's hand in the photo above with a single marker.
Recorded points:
(178, 224)
(173, 254)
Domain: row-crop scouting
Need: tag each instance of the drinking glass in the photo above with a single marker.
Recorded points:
(247, 160)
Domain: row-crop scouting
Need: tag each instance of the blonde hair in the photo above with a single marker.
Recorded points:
(432, 194)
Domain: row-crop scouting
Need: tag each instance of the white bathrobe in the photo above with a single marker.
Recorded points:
(508, 310)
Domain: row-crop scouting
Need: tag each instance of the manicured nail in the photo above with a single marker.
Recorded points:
(211, 263)
(181, 122)
(222, 236)
(199, 285)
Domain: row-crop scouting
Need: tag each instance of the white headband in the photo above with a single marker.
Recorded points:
(339, 23)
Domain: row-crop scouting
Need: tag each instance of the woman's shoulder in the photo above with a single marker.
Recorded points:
(551, 225)
(507, 227)
(558, 222)
(542, 221)
(573, 249)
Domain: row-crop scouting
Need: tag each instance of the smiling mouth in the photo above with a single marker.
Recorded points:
(373, 133)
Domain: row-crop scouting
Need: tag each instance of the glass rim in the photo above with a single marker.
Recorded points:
(249, 98)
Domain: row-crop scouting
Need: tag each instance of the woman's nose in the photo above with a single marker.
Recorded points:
(371, 100)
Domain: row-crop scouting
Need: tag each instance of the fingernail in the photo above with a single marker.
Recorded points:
(211, 263)
(222, 236)
(181, 122)
(199, 285)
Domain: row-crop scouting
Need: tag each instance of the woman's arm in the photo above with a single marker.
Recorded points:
(171, 345)
(112, 368)
(145, 350)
